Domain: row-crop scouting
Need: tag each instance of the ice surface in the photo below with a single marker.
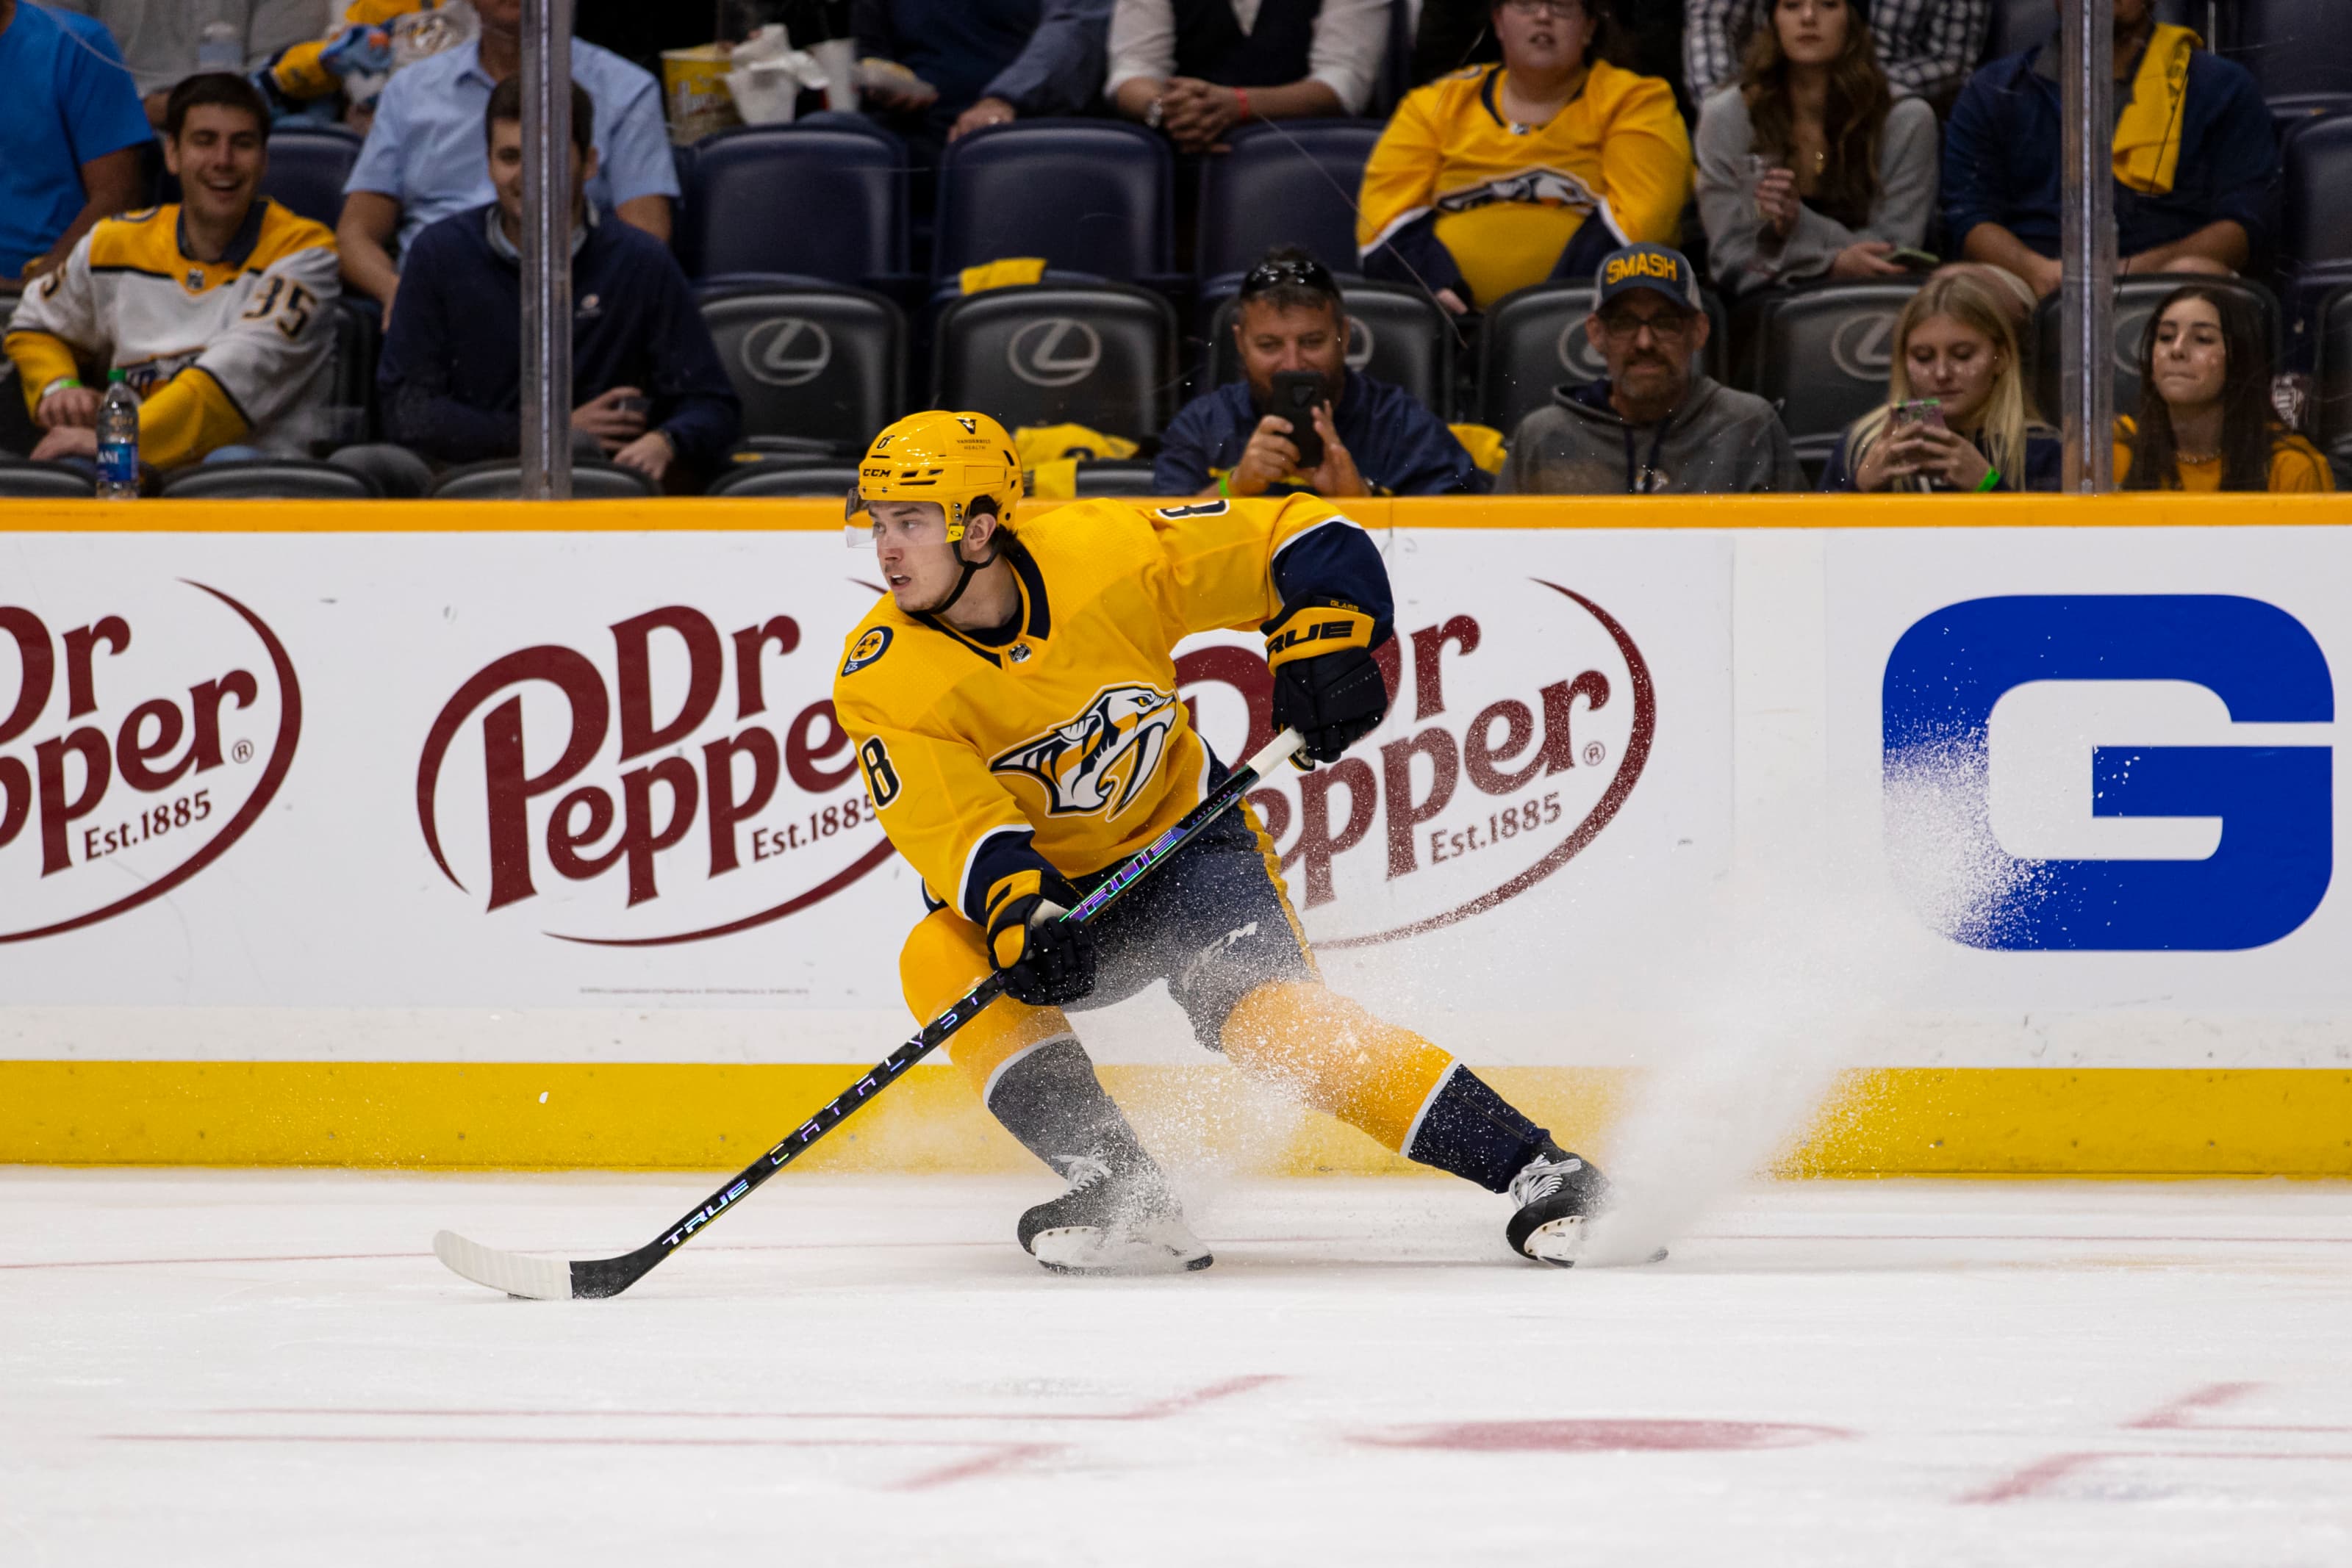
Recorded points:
(262, 1369)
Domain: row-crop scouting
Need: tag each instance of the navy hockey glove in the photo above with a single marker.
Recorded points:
(1046, 960)
(1325, 685)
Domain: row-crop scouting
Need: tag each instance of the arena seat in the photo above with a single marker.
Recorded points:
(501, 479)
(823, 365)
(357, 343)
(1398, 335)
(819, 201)
(43, 481)
(2316, 233)
(2292, 46)
(2332, 371)
(268, 480)
(308, 167)
(2135, 300)
(1821, 353)
(1126, 476)
(826, 482)
(1091, 196)
(1533, 339)
(1292, 183)
(1102, 355)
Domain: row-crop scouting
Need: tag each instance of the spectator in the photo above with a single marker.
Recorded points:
(219, 307)
(423, 159)
(70, 136)
(988, 62)
(1953, 346)
(1451, 33)
(162, 41)
(1810, 166)
(1651, 426)
(652, 391)
(2196, 164)
(1198, 70)
(1377, 440)
(1927, 47)
(1501, 176)
(2205, 417)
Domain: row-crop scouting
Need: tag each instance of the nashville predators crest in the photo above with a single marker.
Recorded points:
(1100, 760)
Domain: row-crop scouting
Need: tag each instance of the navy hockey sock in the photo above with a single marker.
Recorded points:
(1052, 1100)
(1473, 1131)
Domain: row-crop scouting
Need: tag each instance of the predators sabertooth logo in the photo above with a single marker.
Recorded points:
(1100, 760)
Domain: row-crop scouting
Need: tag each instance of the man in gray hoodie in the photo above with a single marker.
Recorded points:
(1651, 427)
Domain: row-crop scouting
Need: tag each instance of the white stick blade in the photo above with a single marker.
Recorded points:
(516, 1273)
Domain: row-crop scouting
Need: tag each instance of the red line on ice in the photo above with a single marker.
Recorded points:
(2169, 1417)
(1005, 1458)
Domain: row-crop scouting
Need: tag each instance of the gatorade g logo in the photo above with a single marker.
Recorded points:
(2275, 802)
(1100, 760)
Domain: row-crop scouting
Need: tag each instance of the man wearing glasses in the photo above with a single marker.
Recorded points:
(1651, 426)
(1365, 437)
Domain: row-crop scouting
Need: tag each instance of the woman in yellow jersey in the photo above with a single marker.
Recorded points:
(1500, 176)
(2205, 417)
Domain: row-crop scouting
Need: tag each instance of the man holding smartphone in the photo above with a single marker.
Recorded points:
(1300, 421)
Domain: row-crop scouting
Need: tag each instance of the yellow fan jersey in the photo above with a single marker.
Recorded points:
(1504, 201)
(298, 72)
(1060, 741)
(238, 349)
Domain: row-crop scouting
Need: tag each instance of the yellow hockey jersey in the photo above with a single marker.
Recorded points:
(1506, 200)
(240, 349)
(1064, 744)
(298, 71)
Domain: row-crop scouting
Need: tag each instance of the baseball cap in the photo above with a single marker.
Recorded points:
(1660, 268)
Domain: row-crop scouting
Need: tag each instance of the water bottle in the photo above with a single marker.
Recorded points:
(219, 47)
(118, 441)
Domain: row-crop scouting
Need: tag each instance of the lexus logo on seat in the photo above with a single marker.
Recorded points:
(1361, 343)
(786, 351)
(1056, 351)
(1577, 353)
(1863, 348)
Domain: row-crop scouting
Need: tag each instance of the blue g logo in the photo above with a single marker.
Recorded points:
(2275, 802)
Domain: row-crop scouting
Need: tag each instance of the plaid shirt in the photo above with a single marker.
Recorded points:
(1927, 45)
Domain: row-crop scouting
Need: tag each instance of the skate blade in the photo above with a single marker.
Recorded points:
(1091, 1250)
(1562, 1243)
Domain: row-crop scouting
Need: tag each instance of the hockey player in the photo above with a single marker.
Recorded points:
(1013, 700)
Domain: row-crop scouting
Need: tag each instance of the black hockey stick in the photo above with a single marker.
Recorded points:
(550, 1279)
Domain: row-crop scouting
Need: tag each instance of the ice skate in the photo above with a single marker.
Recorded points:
(1112, 1222)
(1557, 1193)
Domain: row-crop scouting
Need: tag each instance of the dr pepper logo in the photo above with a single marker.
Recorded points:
(141, 736)
(1513, 736)
(660, 784)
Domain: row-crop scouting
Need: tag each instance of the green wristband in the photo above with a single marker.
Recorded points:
(1992, 481)
(1221, 489)
(63, 383)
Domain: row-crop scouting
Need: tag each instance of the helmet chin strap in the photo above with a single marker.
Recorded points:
(964, 580)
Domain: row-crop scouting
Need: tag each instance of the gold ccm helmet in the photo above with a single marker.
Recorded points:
(956, 459)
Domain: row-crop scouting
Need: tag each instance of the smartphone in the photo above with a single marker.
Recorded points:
(1925, 410)
(1296, 395)
(1915, 260)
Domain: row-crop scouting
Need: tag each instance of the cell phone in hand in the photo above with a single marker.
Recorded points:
(643, 407)
(1296, 395)
(1925, 411)
(1914, 261)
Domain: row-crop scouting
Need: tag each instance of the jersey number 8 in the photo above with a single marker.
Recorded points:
(881, 779)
